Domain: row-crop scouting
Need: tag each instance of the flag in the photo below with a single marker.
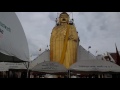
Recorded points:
(40, 49)
(89, 47)
(96, 51)
(118, 56)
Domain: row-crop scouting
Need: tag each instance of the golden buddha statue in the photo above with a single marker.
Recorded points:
(64, 41)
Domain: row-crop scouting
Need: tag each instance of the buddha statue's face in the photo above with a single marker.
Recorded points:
(64, 18)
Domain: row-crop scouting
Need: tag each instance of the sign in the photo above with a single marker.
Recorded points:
(95, 65)
(3, 67)
(15, 65)
(50, 67)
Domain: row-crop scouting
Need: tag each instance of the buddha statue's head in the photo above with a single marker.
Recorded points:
(64, 18)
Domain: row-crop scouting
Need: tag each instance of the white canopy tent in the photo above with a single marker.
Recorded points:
(83, 54)
(95, 66)
(45, 56)
(13, 42)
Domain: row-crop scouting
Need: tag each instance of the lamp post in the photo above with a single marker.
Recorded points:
(88, 51)
(89, 48)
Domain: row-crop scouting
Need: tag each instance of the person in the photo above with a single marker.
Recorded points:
(24, 75)
(57, 42)
(10, 74)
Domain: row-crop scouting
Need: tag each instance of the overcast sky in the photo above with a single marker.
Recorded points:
(100, 30)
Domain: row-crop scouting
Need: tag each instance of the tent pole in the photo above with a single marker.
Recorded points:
(3, 74)
(68, 73)
(28, 70)
(27, 67)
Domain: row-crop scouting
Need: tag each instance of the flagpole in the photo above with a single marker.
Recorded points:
(96, 54)
(117, 55)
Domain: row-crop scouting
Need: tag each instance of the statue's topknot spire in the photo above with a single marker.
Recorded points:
(64, 13)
